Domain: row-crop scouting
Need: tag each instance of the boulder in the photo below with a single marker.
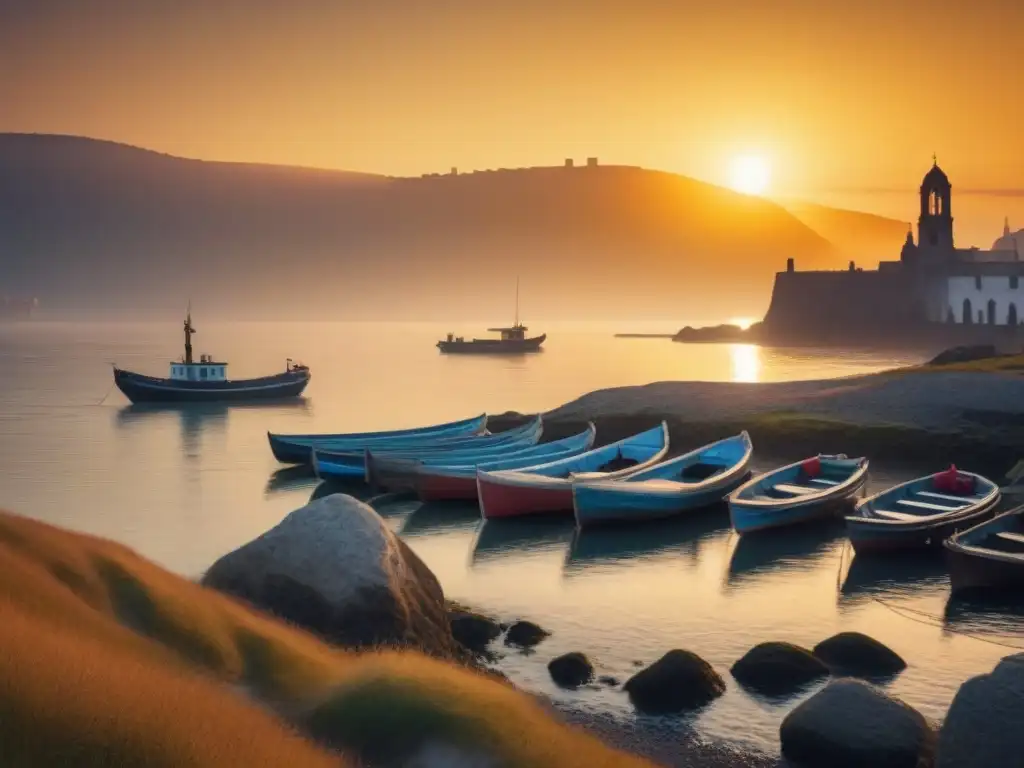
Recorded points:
(853, 724)
(857, 655)
(678, 681)
(334, 568)
(964, 354)
(778, 669)
(473, 630)
(571, 670)
(525, 634)
(982, 727)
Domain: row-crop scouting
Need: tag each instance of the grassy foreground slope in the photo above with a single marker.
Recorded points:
(110, 660)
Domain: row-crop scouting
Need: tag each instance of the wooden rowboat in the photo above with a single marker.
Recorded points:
(337, 464)
(696, 479)
(989, 556)
(820, 487)
(922, 512)
(446, 482)
(546, 488)
(296, 448)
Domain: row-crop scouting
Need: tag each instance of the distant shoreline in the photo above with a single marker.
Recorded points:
(645, 335)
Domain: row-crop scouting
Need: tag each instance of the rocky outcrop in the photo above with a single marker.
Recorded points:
(852, 724)
(982, 727)
(525, 634)
(472, 630)
(964, 354)
(778, 669)
(571, 670)
(857, 655)
(676, 682)
(334, 568)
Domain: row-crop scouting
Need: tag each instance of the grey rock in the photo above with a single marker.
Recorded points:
(853, 724)
(982, 727)
(676, 682)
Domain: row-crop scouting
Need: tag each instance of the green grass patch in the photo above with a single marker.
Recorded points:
(114, 661)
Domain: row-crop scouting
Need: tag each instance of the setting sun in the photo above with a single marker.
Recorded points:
(750, 174)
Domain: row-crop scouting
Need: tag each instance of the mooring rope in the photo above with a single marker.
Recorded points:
(912, 614)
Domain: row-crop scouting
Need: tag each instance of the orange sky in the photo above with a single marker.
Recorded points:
(840, 96)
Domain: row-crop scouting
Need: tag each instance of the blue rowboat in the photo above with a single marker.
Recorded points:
(819, 487)
(441, 482)
(696, 479)
(989, 556)
(922, 512)
(335, 464)
(296, 449)
(547, 487)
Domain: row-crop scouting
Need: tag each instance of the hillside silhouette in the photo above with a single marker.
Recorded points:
(863, 237)
(94, 226)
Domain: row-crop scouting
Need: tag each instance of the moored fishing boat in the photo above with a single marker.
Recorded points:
(440, 482)
(922, 512)
(295, 449)
(327, 463)
(206, 381)
(989, 556)
(547, 487)
(815, 488)
(696, 479)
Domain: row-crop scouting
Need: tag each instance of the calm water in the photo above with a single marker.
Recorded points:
(184, 487)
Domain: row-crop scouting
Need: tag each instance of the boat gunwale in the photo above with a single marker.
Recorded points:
(856, 480)
(956, 544)
(625, 487)
(980, 506)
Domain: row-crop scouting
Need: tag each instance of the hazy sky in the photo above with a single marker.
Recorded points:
(838, 95)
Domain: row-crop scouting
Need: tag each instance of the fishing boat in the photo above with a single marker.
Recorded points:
(989, 556)
(819, 487)
(922, 512)
(547, 487)
(444, 482)
(696, 479)
(511, 341)
(335, 464)
(295, 449)
(206, 381)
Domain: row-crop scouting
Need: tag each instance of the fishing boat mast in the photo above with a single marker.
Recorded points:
(189, 330)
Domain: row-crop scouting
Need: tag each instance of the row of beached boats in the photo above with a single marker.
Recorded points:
(513, 474)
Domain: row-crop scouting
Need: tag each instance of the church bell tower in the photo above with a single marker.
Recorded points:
(935, 225)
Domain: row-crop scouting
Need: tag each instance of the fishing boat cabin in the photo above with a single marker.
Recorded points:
(515, 333)
(207, 369)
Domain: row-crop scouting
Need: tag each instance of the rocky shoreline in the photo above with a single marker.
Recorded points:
(394, 599)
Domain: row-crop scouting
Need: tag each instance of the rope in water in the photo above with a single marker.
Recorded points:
(928, 619)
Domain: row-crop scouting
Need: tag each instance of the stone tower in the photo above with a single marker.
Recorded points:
(935, 225)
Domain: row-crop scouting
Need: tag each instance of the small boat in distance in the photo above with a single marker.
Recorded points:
(815, 488)
(207, 381)
(989, 556)
(513, 341)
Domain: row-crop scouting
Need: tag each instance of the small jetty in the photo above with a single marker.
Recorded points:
(206, 381)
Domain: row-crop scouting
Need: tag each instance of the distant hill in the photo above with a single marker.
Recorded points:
(863, 237)
(97, 226)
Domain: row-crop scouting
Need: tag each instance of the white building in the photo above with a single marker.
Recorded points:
(961, 285)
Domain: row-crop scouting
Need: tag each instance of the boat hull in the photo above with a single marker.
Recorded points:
(748, 519)
(148, 389)
(868, 535)
(974, 572)
(446, 488)
(492, 346)
(501, 500)
(599, 504)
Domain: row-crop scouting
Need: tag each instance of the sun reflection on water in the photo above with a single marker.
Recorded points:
(746, 362)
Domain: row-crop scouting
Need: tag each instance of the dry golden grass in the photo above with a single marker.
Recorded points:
(110, 660)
